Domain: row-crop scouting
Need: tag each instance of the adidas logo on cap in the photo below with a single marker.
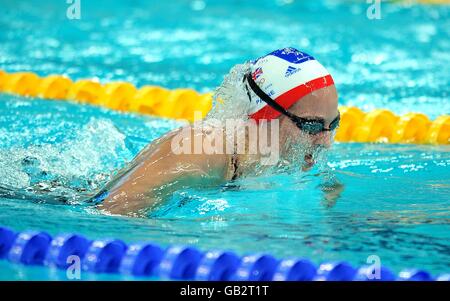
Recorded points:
(291, 70)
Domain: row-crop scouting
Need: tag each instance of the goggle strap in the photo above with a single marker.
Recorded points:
(264, 97)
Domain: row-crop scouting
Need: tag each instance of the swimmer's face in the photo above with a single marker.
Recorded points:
(321, 104)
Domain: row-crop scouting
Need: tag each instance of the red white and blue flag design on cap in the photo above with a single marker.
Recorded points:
(286, 75)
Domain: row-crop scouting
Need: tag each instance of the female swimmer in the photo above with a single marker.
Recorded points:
(287, 90)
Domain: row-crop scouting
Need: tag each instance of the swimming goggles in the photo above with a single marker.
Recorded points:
(307, 125)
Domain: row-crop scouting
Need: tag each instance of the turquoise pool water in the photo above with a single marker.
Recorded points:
(396, 198)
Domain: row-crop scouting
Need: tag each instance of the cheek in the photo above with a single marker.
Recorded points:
(290, 130)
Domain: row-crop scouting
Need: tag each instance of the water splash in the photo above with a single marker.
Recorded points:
(71, 168)
(230, 98)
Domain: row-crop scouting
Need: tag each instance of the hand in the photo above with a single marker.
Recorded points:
(332, 191)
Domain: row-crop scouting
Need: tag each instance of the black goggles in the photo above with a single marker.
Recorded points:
(307, 125)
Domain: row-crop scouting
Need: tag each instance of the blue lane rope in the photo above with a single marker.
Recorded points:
(181, 262)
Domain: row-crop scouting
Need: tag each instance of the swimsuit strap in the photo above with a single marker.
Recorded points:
(235, 163)
(99, 197)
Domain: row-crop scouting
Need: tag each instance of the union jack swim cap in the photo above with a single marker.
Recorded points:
(285, 75)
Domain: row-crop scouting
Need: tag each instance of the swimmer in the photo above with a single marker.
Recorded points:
(287, 90)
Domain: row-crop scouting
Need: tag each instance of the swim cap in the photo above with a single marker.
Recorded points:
(285, 75)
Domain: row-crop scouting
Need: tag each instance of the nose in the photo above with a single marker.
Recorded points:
(322, 139)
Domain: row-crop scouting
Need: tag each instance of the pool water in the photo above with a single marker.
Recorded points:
(395, 203)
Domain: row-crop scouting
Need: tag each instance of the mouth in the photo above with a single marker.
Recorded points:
(309, 162)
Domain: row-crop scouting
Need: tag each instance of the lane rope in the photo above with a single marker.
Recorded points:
(181, 262)
(380, 125)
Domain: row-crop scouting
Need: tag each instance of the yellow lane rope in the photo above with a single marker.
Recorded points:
(379, 125)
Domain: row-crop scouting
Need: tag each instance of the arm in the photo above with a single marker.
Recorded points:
(158, 171)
